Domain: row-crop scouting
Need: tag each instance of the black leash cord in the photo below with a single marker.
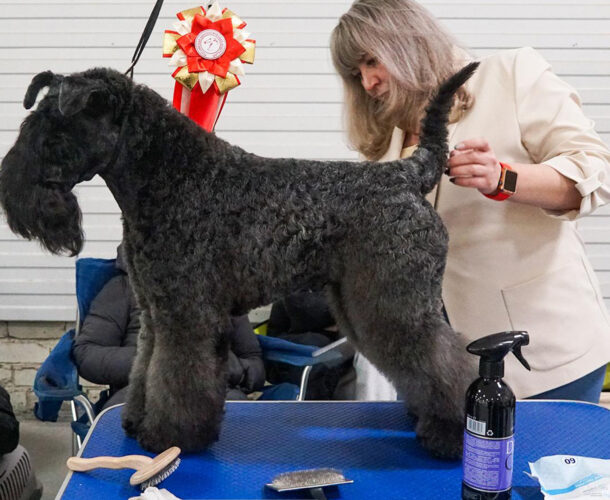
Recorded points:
(154, 15)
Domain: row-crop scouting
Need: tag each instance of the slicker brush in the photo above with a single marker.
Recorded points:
(313, 480)
(149, 471)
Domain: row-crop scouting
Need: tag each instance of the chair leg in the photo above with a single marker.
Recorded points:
(75, 438)
(304, 381)
(87, 406)
(77, 442)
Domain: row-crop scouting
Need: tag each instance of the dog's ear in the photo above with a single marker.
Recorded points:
(75, 93)
(40, 81)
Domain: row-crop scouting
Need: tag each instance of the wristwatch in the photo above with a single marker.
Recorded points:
(507, 185)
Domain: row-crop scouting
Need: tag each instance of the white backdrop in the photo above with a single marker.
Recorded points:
(289, 103)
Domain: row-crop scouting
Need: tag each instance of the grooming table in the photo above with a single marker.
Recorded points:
(373, 443)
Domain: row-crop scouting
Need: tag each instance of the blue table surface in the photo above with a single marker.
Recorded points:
(372, 443)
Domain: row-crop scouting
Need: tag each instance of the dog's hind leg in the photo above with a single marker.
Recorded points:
(429, 367)
(435, 389)
(396, 313)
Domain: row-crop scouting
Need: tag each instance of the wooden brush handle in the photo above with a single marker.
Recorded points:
(126, 462)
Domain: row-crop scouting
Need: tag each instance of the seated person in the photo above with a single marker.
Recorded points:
(105, 348)
(303, 317)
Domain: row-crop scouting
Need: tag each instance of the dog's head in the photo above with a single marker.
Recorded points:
(69, 138)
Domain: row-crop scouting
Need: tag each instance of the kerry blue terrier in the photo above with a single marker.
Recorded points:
(211, 230)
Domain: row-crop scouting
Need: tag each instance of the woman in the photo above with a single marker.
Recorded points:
(519, 137)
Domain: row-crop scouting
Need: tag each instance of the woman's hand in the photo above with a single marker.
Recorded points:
(473, 164)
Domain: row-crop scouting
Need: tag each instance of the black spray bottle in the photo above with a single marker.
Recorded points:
(490, 420)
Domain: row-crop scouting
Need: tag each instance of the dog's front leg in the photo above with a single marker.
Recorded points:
(185, 383)
(136, 391)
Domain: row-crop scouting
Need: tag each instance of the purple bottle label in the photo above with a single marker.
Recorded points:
(488, 463)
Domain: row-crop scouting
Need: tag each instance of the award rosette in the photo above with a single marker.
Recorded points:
(207, 49)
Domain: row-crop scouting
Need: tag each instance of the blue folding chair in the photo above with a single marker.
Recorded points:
(305, 356)
(57, 378)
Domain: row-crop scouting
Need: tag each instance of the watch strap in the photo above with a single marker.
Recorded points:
(500, 194)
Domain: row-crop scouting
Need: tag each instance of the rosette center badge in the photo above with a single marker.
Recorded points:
(210, 44)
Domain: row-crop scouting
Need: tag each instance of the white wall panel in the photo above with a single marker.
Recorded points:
(288, 106)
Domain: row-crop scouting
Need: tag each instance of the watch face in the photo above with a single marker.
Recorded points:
(510, 181)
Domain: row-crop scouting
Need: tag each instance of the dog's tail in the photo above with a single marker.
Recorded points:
(433, 150)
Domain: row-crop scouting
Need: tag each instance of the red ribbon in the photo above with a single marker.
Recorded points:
(203, 109)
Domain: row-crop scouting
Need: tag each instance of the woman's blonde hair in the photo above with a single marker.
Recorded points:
(419, 55)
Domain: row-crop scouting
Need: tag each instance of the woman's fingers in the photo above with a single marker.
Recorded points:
(467, 170)
(474, 164)
(478, 143)
(480, 183)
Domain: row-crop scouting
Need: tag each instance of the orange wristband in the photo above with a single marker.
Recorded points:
(507, 184)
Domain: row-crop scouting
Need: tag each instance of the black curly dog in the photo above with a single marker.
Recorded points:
(211, 230)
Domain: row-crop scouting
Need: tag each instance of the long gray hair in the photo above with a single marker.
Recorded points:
(419, 55)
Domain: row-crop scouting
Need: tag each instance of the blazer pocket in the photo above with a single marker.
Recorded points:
(561, 312)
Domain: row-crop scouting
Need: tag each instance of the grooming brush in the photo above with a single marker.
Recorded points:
(149, 471)
(313, 480)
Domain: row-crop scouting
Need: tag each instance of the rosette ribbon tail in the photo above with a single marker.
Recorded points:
(203, 109)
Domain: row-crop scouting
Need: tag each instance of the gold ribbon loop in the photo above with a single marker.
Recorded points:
(237, 22)
(189, 14)
(169, 43)
(248, 55)
(186, 78)
(226, 84)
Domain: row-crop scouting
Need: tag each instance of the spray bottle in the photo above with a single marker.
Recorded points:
(490, 419)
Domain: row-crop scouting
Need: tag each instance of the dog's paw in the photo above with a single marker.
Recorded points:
(440, 437)
(157, 442)
(129, 422)
(157, 436)
(154, 442)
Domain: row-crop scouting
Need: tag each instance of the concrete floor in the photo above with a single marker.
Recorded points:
(49, 444)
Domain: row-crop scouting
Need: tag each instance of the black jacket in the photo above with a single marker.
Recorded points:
(9, 426)
(304, 317)
(301, 312)
(105, 348)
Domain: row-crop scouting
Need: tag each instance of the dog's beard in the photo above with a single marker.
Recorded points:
(49, 215)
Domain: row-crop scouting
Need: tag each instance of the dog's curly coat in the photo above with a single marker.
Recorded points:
(211, 230)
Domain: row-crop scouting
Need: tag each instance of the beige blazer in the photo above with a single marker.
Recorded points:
(515, 267)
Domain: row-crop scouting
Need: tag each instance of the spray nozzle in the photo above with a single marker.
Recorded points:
(493, 348)
(519, 355)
